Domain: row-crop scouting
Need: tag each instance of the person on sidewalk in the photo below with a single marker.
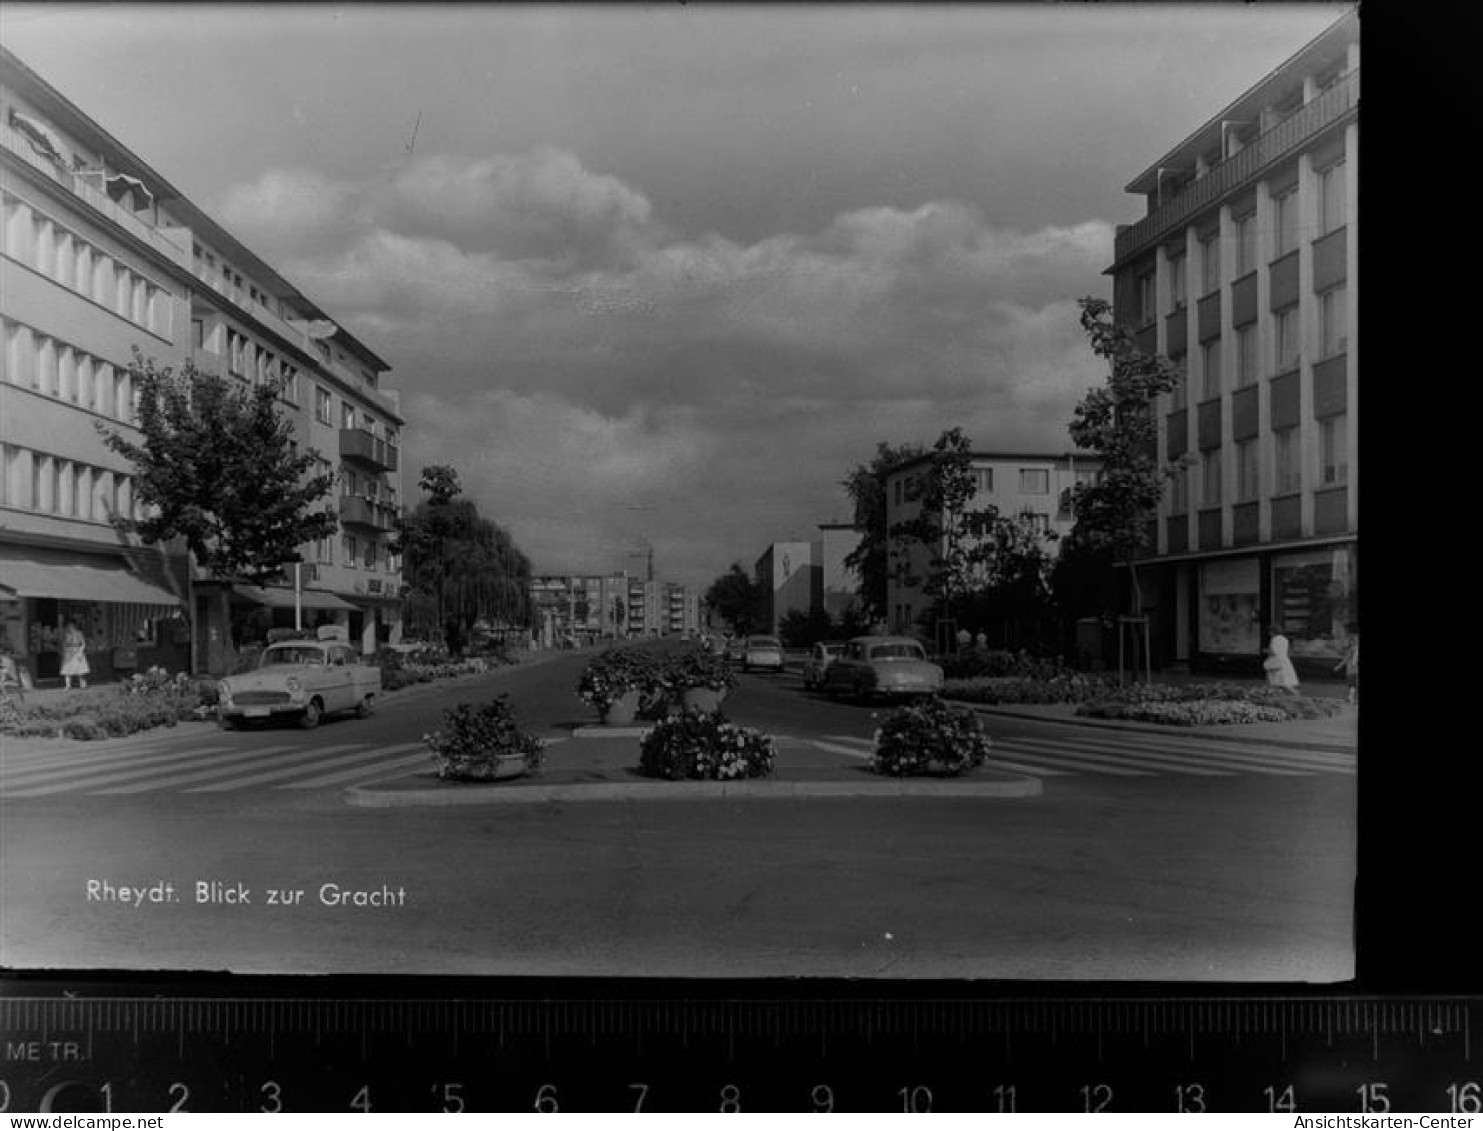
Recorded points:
(1349, 665)
(1278, 665)
(74, 657)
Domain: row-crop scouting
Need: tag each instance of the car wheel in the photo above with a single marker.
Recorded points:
(365, 708)
(312, 714)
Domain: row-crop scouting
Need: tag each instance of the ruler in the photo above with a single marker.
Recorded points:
(596, 1053)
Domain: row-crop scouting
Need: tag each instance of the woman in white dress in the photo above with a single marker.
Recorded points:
(1278, 666)
(74, 656)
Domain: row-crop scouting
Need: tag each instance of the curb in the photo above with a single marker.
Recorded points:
(1152, 728)
(367, 798)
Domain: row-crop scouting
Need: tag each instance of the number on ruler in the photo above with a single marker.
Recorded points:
(1189, 1098)
(272, 1094)
(1004, 1095)
(823, 1097)
(181, 1095)
(1465, 1097)
(915, 1099)
(1095, 1097)
(546, 1099)
(1280, 1101)
(643, 1091)
(452, 1096)
(1373, 1097)
(731, 1098)
(362, 1098)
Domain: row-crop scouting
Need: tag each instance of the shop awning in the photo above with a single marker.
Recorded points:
(276, 597)
(71, 577)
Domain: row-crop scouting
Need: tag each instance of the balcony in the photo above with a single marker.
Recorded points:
(175, 247)
(361, 446)
(356, 510)
(1328, 108)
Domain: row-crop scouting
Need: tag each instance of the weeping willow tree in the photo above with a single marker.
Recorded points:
(467, 564)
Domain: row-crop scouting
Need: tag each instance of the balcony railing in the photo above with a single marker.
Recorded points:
(1330, 106)
(358, 444)
(356, 510)
(16, 143)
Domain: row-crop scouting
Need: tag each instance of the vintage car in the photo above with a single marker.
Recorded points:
(303, 679)
(820, 656)
(765, 652)
(895, 666)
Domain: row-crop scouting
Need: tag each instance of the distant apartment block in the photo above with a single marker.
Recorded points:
(1245, 271)
(1038, 486)
(807, 577)
(102, 254)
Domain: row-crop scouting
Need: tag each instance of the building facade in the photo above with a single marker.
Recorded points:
(579, 606)
(1244, 271)
(836, 585)
(102, 255)
(1036, 485)
(785, 572)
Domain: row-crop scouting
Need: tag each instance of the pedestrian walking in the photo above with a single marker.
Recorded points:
(74, 656)
(1278, 665)
(981, 641)
(1349, 664)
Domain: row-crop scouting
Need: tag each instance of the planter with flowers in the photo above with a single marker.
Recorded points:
(700, 678)
(478, 743)
(616, 681)
(931, 738)
(704, 745)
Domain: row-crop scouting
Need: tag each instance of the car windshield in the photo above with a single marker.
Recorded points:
(298, 655)
(898, 652)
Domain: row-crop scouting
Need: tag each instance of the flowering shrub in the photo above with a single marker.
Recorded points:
(1200, 704)
(698, 668)
(931, 737)
(704, 745)
(400, 669)
(156, 681)
(468, 744)
(612, 674)
(1065, 687)
(104, 712)
(998, 664)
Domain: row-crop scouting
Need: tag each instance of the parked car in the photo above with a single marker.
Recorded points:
(303, 679)
(820, 656)
(763, 652)
(895, 666)
(736, 649)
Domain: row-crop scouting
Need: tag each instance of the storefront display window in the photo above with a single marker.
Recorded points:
(1314, 599)
(1230, 607)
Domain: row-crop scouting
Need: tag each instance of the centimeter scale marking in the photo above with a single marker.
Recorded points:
(1358, 1053)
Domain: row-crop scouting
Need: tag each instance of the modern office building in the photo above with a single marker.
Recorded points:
(101, 254)
(1036, 485)
(1244, 270)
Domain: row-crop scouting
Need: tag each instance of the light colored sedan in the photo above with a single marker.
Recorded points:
(765, 652)
(894, 666)
(820, 656)
(302, 679)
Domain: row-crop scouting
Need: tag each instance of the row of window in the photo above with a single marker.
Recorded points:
(1332, 215)
(58, 369)
(1286, 346)
(1286, 464)
(60, 254)
(50, 484)
(1032, 481)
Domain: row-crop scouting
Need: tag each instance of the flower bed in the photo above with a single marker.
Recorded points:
(106, 712)
(1066, 687)
(469, 744)
(400, 670)
(1206, 704)
(610, 675)
(704, 745)
(930, 738)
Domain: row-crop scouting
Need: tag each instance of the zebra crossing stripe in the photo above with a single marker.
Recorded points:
(69, 769)
(1000, 746)
(1120, 756)
(1318, 759)
(157, 781)
(358, 757)
(370, 771)
(1195, 761)
(835, 748)
(84, 779)
(1026, 768)
(994, 762)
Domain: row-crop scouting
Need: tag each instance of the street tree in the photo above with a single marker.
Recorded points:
(737, 598)
(217, 465)
(1116, 420)
(469, 564)
(871, 558)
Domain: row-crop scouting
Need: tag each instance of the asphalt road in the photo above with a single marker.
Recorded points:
(1122, 869)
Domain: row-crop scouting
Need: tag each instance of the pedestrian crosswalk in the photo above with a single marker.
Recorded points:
(207, 767)
(1134, 755)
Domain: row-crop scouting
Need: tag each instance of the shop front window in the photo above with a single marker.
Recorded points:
(1314, 600)
(1230, 607)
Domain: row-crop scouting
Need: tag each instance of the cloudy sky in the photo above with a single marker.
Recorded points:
(661, 275)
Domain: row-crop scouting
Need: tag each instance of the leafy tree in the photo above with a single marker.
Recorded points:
(950, 530)
(798, 629)
(870, 559)
(1116, 420)
(217, 465)
(468, 563)
(737, 598)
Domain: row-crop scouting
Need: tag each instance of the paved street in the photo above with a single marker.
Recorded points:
(1158, 856)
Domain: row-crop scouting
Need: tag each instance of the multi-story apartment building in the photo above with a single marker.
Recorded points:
(683, 615)
(1244, 271)
(1036, 485)
(572, 606)
(102, 254)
